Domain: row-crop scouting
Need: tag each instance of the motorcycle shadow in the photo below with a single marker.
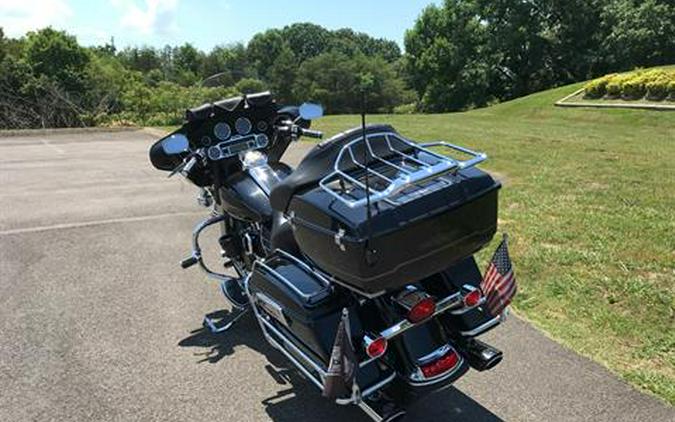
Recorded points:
(297, 399)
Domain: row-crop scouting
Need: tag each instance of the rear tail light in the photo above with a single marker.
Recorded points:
(422, 310)
(377, 347)
(443, 364)
(473, 298)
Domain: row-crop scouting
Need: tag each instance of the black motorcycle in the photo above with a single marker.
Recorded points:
(371, 229)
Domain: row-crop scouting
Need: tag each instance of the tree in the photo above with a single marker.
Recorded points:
(263, 50)
(3, 45)
(518, 44)
(142, 59)
(350, 43)
(328, 79)
(306, 40)
(575, 34)
(187, 61)
(639, 33)
(446, 58)
(334, 80)
(187, 58)
(226, 64)
(281, 75)
(58, 57)
(249, 86)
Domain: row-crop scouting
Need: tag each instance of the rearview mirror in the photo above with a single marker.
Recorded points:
(175, 144)
(309, 111)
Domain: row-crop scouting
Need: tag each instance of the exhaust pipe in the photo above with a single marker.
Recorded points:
(481, 356)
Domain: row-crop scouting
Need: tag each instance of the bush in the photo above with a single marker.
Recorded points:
(597, 88)
(657, 90)
(653, 84)
(614, 89)
(250, 86)
(633, 88)
(671, 90)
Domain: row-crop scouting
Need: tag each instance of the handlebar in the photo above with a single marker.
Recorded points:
(185, 171)
(297, 131)
(189, 261)
(311, 133)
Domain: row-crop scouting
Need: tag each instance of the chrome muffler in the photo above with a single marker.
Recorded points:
(480, 356)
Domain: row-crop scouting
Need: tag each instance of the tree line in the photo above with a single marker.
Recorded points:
(470, 53)
(459, 55)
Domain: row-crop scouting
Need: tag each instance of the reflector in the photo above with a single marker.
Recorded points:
(377, 347)
(473, 298)
(421, 310)
(442, 365)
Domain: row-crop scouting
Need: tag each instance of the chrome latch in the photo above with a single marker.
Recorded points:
(338, 239)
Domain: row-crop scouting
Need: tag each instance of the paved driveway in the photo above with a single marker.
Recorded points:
(98, 322)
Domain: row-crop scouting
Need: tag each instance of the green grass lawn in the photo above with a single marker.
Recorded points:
(589, 203)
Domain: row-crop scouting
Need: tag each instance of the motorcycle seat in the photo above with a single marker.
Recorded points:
(317, 164)
(281, 236)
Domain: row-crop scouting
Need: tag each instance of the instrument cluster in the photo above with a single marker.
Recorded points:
(227, 139)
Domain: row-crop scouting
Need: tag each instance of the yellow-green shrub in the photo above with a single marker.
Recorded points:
(654, 84)
(615, 85)
(671, 90)
(633, 88)
(597, 88)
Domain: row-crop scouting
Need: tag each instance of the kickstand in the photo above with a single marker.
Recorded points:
(215, 329)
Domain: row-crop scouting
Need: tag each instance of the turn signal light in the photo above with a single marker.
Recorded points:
(422, 310)
(377, 347)
(442, 365)
(472, 298)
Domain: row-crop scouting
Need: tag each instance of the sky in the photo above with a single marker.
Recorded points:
(204, 23)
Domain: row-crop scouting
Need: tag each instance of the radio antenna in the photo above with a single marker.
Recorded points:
(366, 81)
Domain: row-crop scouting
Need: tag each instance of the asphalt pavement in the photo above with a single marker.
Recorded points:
(99, 323)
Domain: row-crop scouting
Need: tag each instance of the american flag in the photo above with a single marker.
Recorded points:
(499, 282)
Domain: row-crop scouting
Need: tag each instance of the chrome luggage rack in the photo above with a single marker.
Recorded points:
(397, 170)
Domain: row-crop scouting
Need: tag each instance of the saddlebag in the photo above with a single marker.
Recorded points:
(305, 309)
(300, 302)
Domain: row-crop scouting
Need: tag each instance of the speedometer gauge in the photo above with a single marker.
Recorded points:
(222, 131)
(242, 125)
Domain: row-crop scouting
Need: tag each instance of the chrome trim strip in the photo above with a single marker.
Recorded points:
(304, 265)
(478, 330)
(281, 278)
(441, 378)
(357, 290)
(436, 354)
(272, 307)
(466, 309)
(303, 355)
(370, 390)
(442, 306)
(462, 311)
(417, 378)
(370, 412)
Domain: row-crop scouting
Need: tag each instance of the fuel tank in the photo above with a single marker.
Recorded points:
(245, 194)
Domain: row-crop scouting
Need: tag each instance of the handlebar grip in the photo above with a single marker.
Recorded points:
(312, 133)
(188, 167)
(188, 262)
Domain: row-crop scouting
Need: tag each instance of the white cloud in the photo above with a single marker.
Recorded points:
(20, 16)
(150, 17)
